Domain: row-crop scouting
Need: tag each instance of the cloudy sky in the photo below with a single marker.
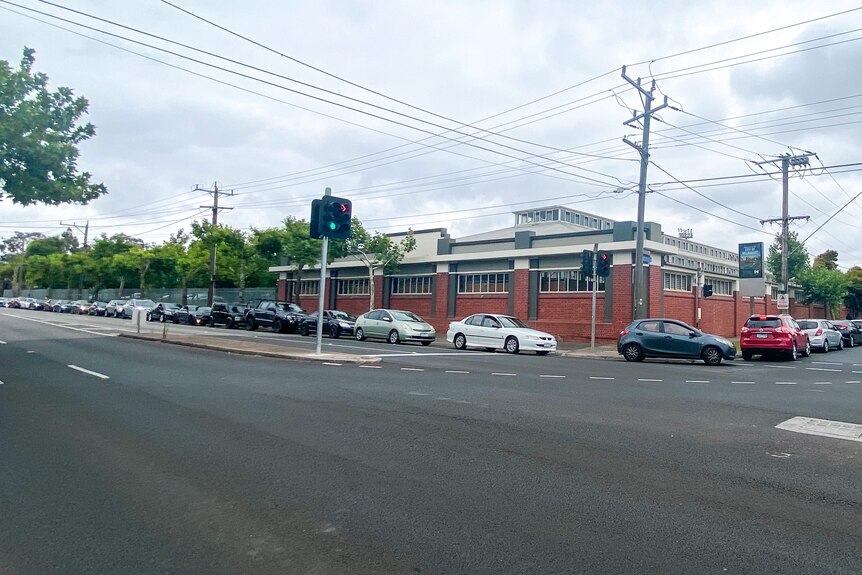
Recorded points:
(454, 114)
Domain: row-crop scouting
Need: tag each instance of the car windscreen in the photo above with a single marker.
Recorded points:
(754, 323)
(512, 322)
(145, 303)
(406, 316)
(343, 315)
(807, 324)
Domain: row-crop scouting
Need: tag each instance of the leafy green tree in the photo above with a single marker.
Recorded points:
(822, 285)
(853, 300)
(39, 137)
(797, 258)
(828, 260)
(376, 251)
(16, 245)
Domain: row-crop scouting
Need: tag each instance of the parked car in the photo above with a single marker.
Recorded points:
(394, 326)
(97, 308)
(192, 315)
(162, 312)
(494, 331)
(129, 306)
(43, 305)
(115, 308)
(663, 337)
(2, 302)
(229, 314)
(774, 334)
(63, 306)
(850, 332)
(280, 316)
(335, 323)
(81, 306)
(822, 334)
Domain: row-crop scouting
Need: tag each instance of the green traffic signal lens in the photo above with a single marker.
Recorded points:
(332, 226)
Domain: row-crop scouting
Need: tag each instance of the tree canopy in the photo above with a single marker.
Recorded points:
(39, 135)
(797, 258)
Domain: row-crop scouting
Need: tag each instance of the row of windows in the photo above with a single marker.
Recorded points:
(721, 287)
(699, 249)
(566, 216)
(677, 282)
(412, 285)
(567, 282)
(483, 283)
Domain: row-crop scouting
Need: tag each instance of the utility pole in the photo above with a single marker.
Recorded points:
(643, 150)
(786, 162)
(215, 208)
(86, 230)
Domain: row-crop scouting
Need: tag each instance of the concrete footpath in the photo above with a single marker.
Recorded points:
(286, 352)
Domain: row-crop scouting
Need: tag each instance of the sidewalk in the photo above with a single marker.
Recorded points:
(250, 348)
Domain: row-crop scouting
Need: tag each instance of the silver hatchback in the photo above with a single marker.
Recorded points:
(394, 326)
(822, 334)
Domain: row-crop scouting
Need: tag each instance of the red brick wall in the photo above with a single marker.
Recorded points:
(281, 290)
(522, 294)
(622, 297)
(468, 304)
(418, 304)
(442, 294)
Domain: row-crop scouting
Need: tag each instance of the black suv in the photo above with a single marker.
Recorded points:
(230, 314)
(280, 316)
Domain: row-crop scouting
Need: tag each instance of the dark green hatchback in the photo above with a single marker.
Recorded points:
(671, 338)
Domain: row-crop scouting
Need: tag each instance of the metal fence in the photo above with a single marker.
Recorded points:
(193, 295)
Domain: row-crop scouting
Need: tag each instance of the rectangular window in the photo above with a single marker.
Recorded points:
(483, 283)
(306, 287)
(721, 287)
(411, 285)
(567, 281)
(677, 282)
(353, 286)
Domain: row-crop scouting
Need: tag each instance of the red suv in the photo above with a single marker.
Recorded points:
(780, 334)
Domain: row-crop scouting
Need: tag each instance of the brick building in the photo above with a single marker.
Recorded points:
(533, 270)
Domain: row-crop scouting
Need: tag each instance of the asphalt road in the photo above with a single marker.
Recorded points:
(123, 456)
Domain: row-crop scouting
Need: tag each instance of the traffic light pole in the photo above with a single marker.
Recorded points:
(322, 287)
(595, 279)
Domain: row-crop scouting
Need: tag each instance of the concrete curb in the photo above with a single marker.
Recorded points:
(246, 348)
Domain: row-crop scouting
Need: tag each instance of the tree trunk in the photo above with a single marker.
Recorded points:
(122, 286)
(370, 287)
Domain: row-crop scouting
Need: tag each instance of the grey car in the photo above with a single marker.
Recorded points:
(395, 326)
(822, 334)
(662, 337)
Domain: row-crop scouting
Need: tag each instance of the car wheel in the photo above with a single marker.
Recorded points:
(825, 346)
(228, 323)
(360, 335)
(633, 352)
(211, 322)
(394, 337)
(712, 355)
(149, 317)
(250, 325)
(303, 329)
(747, 355)
(793, 354)
(191, 320)
(512, 345)
(277, 326)
(807, 351)
(162, 318)
(850, 342)
(840, 344)
(333, 331)
(460, 341)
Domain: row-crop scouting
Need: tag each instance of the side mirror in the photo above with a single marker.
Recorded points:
(692, 334)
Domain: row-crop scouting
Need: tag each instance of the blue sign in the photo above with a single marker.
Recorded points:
(751, 260)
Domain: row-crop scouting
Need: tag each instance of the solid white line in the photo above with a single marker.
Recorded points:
(455, 371)
(817, 390)
(371, 366)
(64, 326)
(87, 371)
(854, 381)
(696, 381)
(330, 363)
(828, 362)
(607, 378)
(506, 374)
(745, 382)
(557, 376)
(2, 343)
(644, 379)
(785, 383)
(780, 366)
(822, 369)
(417, 393)
(857, 372)
(411, 369)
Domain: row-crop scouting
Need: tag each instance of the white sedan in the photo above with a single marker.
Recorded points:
(493, 331)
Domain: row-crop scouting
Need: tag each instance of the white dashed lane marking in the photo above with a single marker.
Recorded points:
(504, 374)
(745, 382)
(456, 371)
(554, 376)
(412, 369)
(604, 378)
(371, 366)
(417, 393)
(822, 383)
(785, 383)
(822, 369)
(330, 363)
(696, 381)
(88, 372)
(828, 362)
(651, 380)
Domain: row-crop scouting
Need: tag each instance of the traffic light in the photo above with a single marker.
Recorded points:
(333, 217)
(587, 263)
(707, 290)
(603, 265)
(314, 222)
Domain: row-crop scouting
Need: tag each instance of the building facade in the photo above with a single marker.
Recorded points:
(533, 270)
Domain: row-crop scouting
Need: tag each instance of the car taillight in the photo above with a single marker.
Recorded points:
(818, 332)
(624, 332)
(744, 330)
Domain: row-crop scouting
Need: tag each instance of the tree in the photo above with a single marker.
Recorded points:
(797, 258)
(376, 251)
(303, 250)
(822, 285)
(828, 260)
(853, 300)
(39, 137)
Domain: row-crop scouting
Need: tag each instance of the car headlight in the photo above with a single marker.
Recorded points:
(344, 325)
(724, 341)
(532, 337)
